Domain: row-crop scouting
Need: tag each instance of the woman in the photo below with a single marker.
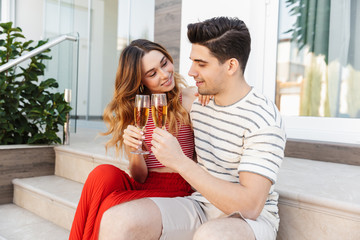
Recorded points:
(144, 68)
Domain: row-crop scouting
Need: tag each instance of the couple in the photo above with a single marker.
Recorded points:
(228, 191)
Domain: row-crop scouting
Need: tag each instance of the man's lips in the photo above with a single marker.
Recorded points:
(199, 83)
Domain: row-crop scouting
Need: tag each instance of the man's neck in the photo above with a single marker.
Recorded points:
(235, 90)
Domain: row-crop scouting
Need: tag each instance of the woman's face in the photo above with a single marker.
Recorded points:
(157, 72)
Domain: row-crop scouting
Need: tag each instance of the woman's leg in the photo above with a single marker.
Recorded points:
(156, 185)
(101, 182)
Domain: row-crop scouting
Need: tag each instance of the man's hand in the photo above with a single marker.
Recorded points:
(166, 148)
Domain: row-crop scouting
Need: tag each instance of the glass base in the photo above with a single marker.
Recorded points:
(142, 152)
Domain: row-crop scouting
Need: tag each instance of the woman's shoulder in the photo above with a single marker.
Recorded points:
(188, 97)
(189, 92)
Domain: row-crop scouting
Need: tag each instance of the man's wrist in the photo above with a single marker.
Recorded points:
(186, 164)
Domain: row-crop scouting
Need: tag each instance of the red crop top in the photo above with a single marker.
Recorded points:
(185, 138)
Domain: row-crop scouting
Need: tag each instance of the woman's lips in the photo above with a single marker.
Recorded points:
(169, 81)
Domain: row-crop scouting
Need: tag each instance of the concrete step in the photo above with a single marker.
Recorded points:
(51, 197)
(17, 223)
(318, 200)
(75, 163)
(85, 151)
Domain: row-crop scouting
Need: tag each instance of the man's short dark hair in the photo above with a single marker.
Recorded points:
(225, 38)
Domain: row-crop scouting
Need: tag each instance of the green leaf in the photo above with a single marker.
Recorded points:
(6, 26)
(18, 35)
(26, 44)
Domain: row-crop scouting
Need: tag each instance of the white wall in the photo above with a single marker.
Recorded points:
(29, 17)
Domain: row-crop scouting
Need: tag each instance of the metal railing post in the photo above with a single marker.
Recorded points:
(66, 131)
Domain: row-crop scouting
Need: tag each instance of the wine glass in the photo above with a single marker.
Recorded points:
(159, 109)
(141, 114)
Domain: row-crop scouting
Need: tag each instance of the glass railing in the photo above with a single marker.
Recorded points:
(64, 68)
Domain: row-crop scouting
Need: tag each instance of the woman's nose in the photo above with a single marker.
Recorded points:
(163, 74)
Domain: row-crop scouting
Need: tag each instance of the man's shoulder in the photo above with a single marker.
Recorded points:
(261, 110)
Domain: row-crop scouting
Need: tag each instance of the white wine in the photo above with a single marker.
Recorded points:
(159, 114)
(141, 115)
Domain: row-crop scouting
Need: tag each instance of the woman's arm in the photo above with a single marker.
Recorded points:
(189, 96)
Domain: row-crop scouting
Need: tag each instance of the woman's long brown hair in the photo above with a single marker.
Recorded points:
(119, 113)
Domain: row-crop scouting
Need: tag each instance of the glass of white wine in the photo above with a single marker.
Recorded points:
(159, 109)
(141, 115)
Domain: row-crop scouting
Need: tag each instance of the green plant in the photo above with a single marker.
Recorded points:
(30, 113)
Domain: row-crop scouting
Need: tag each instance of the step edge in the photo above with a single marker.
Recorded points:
(17, 182)
(90, 155)
(320, 204)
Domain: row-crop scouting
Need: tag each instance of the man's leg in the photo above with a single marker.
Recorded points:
(225, 228)
(138, 219)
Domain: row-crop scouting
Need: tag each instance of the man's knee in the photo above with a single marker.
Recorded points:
(225, 228)
(131, 220)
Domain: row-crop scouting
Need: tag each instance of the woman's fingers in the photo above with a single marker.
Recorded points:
(133, 137)
(204, 99)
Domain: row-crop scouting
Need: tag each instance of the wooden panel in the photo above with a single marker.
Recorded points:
(323, 151)
(167, 27)
(22, 163)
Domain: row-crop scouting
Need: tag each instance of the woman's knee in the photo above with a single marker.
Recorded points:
(105, 173)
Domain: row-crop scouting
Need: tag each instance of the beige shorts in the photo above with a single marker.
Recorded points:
(182, 216)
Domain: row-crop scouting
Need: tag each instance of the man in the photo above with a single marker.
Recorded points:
(239, 141)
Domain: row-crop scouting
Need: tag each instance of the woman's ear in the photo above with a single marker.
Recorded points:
(233, 65)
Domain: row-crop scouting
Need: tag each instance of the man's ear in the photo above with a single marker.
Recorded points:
(233, 65)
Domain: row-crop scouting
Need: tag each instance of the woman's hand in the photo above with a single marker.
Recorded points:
(133, 137)
(204, 99)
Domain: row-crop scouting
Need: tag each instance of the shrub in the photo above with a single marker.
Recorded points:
(30, 111)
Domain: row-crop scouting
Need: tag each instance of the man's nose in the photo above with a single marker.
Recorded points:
(192, 72)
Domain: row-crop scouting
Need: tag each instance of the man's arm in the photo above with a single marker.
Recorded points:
(248, 197)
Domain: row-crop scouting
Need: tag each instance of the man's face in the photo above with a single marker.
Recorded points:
(206, 70)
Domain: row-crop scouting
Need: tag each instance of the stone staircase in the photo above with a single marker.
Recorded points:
(318, 200)
(44, 207)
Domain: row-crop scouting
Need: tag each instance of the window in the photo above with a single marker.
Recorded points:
(318, 69)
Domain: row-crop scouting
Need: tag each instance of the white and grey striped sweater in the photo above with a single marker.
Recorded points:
(245, 136)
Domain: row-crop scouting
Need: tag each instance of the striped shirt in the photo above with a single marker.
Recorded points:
(185, 137)
(247, 136)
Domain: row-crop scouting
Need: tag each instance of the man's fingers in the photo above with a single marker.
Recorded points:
(160, 132)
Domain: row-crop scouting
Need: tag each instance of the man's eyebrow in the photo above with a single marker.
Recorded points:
(198, 60)
(162, 59)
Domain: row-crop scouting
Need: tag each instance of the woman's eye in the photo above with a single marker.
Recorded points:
(164, 64)
(152, 74)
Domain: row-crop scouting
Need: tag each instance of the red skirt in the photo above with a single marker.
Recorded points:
(107, 186)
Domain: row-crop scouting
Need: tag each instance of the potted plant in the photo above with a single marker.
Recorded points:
(30, 111)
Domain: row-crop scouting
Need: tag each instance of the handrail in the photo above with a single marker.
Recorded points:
(37, 51)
